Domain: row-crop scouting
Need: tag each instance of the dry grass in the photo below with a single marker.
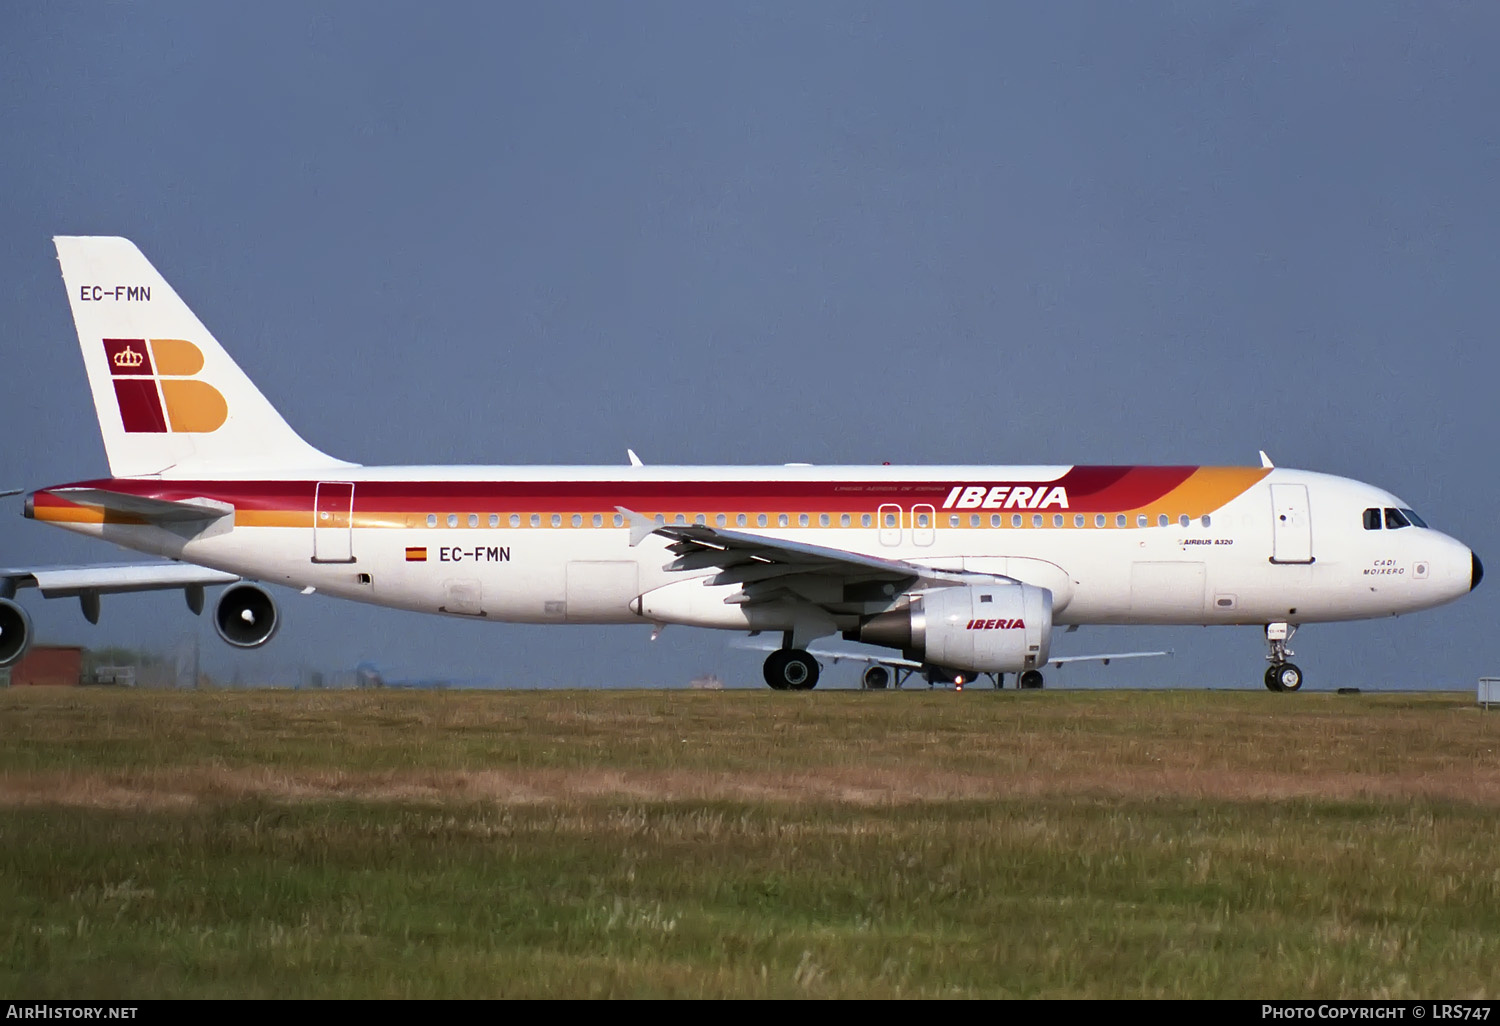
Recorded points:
(752, 844)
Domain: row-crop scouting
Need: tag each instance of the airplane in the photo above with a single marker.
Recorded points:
(966, 569)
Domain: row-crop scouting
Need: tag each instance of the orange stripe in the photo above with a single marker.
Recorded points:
(1206, 490)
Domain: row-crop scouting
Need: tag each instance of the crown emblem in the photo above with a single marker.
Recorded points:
(128, 357)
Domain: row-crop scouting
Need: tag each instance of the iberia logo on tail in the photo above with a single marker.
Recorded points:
(156, 388)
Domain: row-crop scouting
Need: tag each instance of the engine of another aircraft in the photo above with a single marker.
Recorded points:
(1001, 628)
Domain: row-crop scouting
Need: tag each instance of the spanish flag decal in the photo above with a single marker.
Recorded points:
(416, 553)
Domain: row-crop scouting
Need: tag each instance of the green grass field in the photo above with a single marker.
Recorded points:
(747, 844)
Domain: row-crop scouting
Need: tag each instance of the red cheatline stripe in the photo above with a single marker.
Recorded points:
(1089, 489)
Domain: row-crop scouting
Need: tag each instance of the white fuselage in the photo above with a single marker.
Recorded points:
(550, 545)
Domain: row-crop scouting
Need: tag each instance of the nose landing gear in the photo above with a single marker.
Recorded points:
(1281, 675)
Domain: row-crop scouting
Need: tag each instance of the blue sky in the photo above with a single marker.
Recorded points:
(834, 233)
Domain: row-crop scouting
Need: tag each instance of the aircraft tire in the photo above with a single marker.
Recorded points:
(1030, 680)
(1288, 676)
(791, 669)
(1273, 680)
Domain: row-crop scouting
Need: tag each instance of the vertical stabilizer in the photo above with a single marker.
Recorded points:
(169, 399)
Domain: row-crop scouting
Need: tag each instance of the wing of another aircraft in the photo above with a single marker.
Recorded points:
(69, 581)
(88, 582)
(902, 667)
(837, 655)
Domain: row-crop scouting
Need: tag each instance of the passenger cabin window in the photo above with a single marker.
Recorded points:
(598, 519)
(781, 520)
(432, 520)
(536, 520)
(557, 520)
(844, 520)
(473, 519)
(890, 520)
(822, 519)
(760, 520)
(1078, 520)
(921, 519)
(739, 520)
(577, 519)
(973, 519)
(452, 519)
(619, 519)
(720, 520)
(801, 519)
(1120, 520)
(494, 519)
(515, 520)
(994, 519)
(1372, 519)
(1207, 520)
(1395, 519)
(1184, 520)
(864, 520)
(1015, 520)
(1098, 519)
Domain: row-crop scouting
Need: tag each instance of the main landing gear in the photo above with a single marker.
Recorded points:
(1281, 675)
(791, 669)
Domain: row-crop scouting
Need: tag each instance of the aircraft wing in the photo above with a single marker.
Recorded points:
(838, 655)
(743, 557)
(1105, 658)
(69, 581)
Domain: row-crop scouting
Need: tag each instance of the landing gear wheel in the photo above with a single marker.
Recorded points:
(1273, 680)
(1031, 680)
(791, 669)
(1288, 677)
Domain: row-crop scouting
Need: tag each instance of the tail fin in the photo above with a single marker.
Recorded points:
(169, 399)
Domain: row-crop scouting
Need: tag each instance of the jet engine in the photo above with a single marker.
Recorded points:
(15, 632)
(246, 616)
(999, 628)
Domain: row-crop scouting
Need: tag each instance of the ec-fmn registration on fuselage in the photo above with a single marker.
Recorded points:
(957, 570)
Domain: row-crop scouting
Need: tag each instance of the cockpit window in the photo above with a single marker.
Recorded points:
(1394, 519)
(1372, 519)
(1413, 519)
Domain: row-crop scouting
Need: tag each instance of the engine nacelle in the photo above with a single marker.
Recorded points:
(15, 632)
(1000, 628)
(246, 616)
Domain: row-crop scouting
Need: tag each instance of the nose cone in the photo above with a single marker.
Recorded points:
(1477, 574)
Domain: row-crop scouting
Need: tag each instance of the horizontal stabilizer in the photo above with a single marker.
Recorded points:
(157, 511)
